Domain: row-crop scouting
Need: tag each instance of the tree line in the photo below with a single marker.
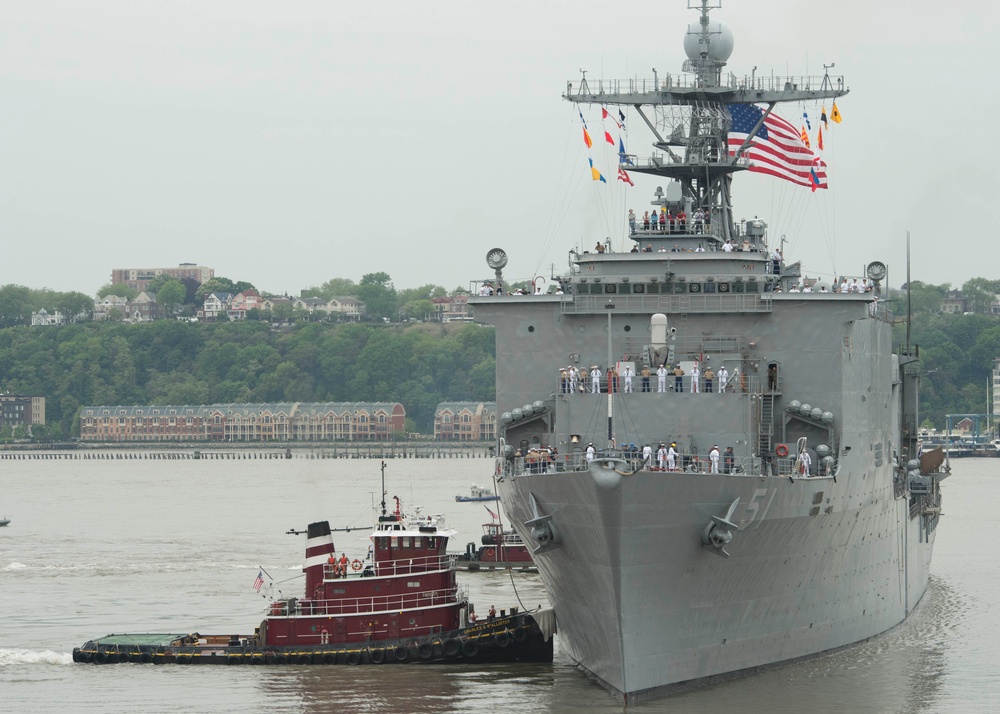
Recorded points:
(173, 362)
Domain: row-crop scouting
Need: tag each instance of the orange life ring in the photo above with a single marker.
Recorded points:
(781, 450)
(357, 564)
(490, 552)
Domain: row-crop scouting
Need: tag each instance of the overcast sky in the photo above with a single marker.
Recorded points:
(290, 143)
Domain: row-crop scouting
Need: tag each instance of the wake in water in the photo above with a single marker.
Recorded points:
(10, 657)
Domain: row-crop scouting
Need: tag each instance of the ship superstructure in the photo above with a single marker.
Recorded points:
(736, 480)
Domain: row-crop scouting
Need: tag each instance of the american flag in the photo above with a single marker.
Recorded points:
(259, 581)
(777, 149)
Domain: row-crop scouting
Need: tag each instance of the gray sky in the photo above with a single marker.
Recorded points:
(289, 143)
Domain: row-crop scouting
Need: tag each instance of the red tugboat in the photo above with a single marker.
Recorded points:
(406, 606)
(500, 549)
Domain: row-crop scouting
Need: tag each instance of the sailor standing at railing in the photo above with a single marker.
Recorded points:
(661, 379)
(647, 454)
(713, 456)
(595, 380)
(661, 457)
(723, 378)
(695, 374)
(591, 452)
(672, 457)
(628, 373)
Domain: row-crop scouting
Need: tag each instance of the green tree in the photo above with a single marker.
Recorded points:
(379, 295)
(170, 295)
(119, 289)
(979, 294)
(332, 288)
(15, 305)
(73, 305)
(218, 284)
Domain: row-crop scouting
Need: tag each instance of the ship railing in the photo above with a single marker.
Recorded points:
(379, 603)
(695, 463)
(752, 82)
(713, 303)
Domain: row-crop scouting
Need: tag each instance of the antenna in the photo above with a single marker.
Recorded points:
(383, 488)
(909, 313)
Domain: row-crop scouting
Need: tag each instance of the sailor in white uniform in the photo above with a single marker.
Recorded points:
(723, 378)
(695, 374)
(628, 373)
(661, 457)
(661, 379)
(591, 452)
(713, 456)
(647, 455)
(595, 380)
(672, 457)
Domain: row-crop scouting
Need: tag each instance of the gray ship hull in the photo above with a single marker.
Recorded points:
(644, 608)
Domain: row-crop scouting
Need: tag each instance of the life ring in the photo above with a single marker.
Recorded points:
(357, 564)
(781, 450)
(490, 552)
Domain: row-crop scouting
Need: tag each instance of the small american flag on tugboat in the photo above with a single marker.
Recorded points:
(259, 581)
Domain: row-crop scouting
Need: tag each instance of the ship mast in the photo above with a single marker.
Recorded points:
(689, 119)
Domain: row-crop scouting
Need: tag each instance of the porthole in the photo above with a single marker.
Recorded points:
(531, 328)
(628, 328)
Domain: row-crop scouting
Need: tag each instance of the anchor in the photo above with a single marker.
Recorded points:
(542, 529)
(719, 532)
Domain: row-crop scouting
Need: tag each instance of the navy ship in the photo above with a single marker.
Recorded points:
(736, 480)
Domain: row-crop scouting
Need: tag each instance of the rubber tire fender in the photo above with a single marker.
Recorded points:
(377, 656)
(501, 639)
(401, 653)
(470, 648)
(451, 647)
(520, 634)
(425, 650)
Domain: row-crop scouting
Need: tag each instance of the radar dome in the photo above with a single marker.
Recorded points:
(720, 41)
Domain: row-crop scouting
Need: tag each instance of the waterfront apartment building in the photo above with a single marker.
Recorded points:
(281, 422)
(465, 421)
(140, 278)
(21, 410)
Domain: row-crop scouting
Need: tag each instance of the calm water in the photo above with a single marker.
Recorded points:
(173, 546)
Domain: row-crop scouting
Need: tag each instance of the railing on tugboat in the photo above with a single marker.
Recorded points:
(374, 603)
(399, 566)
